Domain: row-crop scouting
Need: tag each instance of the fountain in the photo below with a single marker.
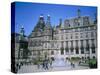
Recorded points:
(60, 62)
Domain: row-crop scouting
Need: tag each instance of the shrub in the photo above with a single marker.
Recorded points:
(75, 58)
(93, 63)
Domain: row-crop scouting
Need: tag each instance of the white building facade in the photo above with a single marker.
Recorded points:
(75, 37)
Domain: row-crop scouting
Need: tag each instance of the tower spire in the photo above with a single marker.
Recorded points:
(48, 23)
(40, 24)
(48, 17)
(60, 22)
(79, 13)
(22, 31)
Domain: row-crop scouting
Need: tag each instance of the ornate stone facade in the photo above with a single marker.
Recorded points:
(75, 37)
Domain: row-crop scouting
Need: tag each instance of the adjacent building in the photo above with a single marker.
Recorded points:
(19, 49)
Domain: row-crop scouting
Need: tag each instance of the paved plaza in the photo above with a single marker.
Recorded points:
(34, 68)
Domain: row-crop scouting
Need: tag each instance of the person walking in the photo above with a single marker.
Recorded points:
(50, 63)
(43, 65)
(46, 64)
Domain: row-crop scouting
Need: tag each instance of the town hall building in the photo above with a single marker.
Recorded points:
(73, 37)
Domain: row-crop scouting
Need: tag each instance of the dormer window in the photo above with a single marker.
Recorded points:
(76, 23)
(66, 23)
(85, 21)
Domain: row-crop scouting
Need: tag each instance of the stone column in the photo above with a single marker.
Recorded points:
(79, 45)
(90, 50)
(64, 48)
(90, 53)
(69, 55)
(74, 47)
(84, 45)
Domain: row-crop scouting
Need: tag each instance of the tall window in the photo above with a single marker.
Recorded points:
(93, 46)
(57, 45)
(21, 54)
(76, 35)
(62, 51)
(61, 44)
(82, 48)
(87, 45)
(67, 36)
(66, 49)
(71, 36)
(45, 45)
(92, 34)
(87, 35)
(52, 45)
(81, 35)
(72, 47)
(62, 48)
(77, 50)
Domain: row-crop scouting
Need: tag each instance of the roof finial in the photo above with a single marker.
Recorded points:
(22, 30)
(41, 15)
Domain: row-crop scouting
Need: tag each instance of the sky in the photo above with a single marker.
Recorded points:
(27, 14)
